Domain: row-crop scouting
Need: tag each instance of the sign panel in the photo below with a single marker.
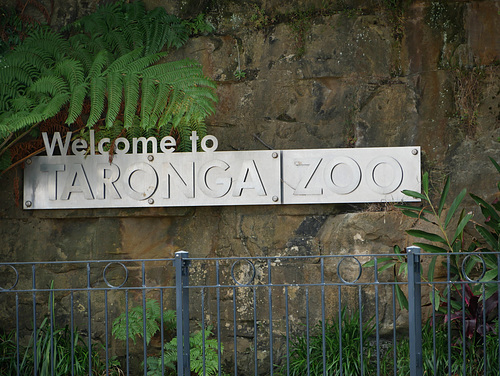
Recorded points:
(142, 180)
(146, 173)
(350, 175)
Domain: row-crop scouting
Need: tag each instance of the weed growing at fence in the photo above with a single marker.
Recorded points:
(354, 343)
(204, 356)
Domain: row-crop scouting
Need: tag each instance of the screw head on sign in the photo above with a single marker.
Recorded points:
(151, 158)
(151, 201)
(28, 204)
(275, 155)
(275, 198)
(414, 151)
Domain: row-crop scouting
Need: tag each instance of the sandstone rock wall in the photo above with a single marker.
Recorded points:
(316, 75)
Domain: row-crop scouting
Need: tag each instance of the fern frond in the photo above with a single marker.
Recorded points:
(12, 75)
(72, 70)
(149, 89)
(97, 97)
(77, 99)
(122, 62)
(52, 85)
(117, 42)
(114, 85)
(97, 22)
(100, 61)
(131, 85)
(140, 64)
(21, 103)
(160, 103)
(48, 40)
(82, 54)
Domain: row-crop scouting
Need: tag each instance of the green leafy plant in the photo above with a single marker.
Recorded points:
(204, 358)
(112, 59)
(448, 238)
(59, 351)
(353, 340)
(435, 354)
(136, 322)
(204, 351)
(239, 74)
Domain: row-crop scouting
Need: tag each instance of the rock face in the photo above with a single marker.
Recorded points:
(356, 74)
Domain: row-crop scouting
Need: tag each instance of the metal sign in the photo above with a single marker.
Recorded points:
(213, 178)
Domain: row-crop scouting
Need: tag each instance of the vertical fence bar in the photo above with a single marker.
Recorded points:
(144, 321)
(414, 311)
(35, 369)
(182, 308)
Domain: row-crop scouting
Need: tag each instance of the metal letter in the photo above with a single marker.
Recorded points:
(186, 185)
(108, 182)
(126, 144)
(303, 186)
(145, 142)
(50, 147)
(223, 185)
(214, 146)
(143, 184)
(249, 171)
(52, 178)
(79, 147)
(382, 180)
(76, 182)
(343, 182)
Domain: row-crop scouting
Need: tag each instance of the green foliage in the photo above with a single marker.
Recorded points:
(203, 357)
(239, 74)
(448, 238)
(135, 317)
(349, 332)
(59, 351)
(112, 58)
(435, 358)
(204, 353)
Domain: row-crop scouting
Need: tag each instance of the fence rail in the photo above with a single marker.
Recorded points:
(350, 314)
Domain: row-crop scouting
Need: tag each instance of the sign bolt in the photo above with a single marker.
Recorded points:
(414, 151)
(275, 198)
(28, 161)
(275, 155)
(28, 204)
(151, 158)
(151, 201)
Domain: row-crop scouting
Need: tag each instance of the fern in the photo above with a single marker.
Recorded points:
(135, 317)
(111, 58)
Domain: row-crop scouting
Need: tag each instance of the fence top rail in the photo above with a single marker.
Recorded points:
(271, 258)
(128, 261)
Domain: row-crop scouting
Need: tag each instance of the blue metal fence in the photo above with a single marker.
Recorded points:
(282, 315)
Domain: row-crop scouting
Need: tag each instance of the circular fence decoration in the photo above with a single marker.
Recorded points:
(8, 269)
(479, 260)
(243, 272)
(125, 277)
(355, 262)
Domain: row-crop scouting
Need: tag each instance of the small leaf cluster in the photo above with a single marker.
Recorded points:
(130, 324)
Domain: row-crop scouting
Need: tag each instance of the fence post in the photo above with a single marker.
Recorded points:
(181, 264)
(414, 311)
